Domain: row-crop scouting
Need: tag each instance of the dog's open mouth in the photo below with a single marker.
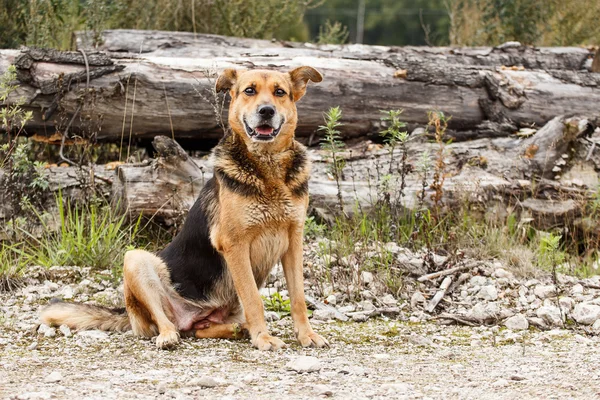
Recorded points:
(263, 132)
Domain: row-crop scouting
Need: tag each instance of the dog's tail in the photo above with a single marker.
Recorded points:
(86, 316)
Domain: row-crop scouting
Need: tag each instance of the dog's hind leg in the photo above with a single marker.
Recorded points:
(147, 299)
(222, 331)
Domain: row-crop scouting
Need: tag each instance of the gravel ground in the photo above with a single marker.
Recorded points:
(376, 359)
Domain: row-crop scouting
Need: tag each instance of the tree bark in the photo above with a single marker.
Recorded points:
(150, 83)
(549, 185)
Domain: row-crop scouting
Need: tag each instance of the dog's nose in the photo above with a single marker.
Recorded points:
(266, 111)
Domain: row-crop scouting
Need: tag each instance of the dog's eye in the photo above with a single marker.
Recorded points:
(279, 92)
(250, 91)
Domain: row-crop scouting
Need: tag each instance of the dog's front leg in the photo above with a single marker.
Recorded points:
(237, 258)
(292, 262)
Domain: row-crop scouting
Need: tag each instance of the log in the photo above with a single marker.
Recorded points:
(492, 173)
(150, 83)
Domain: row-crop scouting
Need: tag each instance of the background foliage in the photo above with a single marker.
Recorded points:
(50, 23)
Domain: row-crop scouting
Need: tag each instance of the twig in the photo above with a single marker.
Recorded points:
(445, 272)
(459, 318)
(439, 295)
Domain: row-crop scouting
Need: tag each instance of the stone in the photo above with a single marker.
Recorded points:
(347, 309)
(93, 334)
(366, 305)
(484, 311)
(596, 327)
(566, 303)
(304, 364)
(324, 315)
(54, 377)
(420, 341)
(478, 280)
(545, 291)
(32, 346)
(586, 314)
(502, 273)
(366, 277)
(551, 315)
(488, 292)
(500, 383)
(322, 390)
(360, 316)
(67, 293)
(389, 300)
(271, 316)
(517, 322)
(204, 381)
(50, 333)
(42, 329)
(331, 299)
(65, 330)
(417, 299)
(161, 388)
(577, 289)
(397, 389)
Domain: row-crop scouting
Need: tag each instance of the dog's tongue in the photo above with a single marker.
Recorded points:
(264, 130)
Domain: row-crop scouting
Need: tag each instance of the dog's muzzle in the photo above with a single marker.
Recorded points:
(264, 132)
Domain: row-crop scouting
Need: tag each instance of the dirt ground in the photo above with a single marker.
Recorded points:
(379, 359)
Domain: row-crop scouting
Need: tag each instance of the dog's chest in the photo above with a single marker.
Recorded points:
(265, 251)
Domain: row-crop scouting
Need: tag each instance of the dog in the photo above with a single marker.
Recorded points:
(248, 217)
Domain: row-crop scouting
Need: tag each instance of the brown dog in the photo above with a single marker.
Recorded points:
(248, 216)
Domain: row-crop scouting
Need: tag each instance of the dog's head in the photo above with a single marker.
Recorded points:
(263, 103)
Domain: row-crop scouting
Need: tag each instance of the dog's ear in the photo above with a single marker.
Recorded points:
(300, 77)
(226, 80)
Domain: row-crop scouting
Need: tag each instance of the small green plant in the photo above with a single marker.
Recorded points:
(277, 304)
(91, 235)
(332, 143)
(332, 33)
(13, 261)
(312, 228)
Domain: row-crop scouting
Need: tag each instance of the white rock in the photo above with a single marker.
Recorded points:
(271, 316)
(478, 280)
(502, 273)
(545, 291)
(322, 390)
(389, 300)
(397, 389)
(420, 341)
(566, 303)
(366, 277)
(42, 329)
(54, 377)
(484, 311)
(360, 316)
(517, 323)
(500, 383)
(324, 315)
(51, 285)
(596, 327)
(67, 293)
(551, 315)
(267, 292)
(488, 292)
(93, 334)
(366, 305)
(50, 333)
(586, 314)
(65, 330)
(417, 299)
(577, 289)
(392, 247)
(304, 364)
(347, 309)
(331, 299)
(204, 381)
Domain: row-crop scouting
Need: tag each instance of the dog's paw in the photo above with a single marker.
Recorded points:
(264, 341)
(167, 340)
(311, 339)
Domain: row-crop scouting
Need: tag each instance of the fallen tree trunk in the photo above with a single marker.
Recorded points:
(493, 173)
(149, 83)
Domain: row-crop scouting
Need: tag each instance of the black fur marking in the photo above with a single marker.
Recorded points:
(298, 163)
(301, 189)
(236, 186)
(194, 264)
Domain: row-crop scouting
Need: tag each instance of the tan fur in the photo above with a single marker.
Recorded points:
(82, 316)
(252, 228)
